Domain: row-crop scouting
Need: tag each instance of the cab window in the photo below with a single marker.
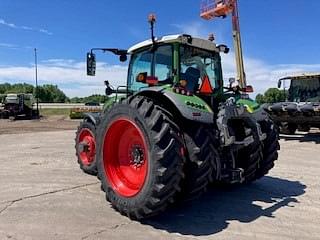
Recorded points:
(163, 64)
(198, 64)
(152, 64)
(140, 63)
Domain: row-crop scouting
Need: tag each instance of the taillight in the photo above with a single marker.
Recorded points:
(247, 89)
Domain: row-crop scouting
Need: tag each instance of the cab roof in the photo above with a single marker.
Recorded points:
(302, 76)
(180, 38)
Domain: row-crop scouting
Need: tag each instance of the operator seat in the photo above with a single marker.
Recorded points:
(192, 76)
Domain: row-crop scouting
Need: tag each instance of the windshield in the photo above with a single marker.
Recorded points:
(157, 64)
(304, 90)
(197, 65)
(12, 99)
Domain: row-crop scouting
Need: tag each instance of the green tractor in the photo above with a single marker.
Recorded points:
(18, 105)
(175, 128)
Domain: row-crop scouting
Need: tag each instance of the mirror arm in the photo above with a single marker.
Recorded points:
(115, 51)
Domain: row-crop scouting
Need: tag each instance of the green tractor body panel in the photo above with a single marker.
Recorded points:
(192, 102)
(190, 107)
(251, 105)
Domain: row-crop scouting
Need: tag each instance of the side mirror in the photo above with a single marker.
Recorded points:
(91, 64)
(223, 48)
(123, 58)
(279, 84)
(109, 90)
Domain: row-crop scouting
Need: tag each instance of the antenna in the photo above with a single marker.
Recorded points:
(36, 78)
(152, 21)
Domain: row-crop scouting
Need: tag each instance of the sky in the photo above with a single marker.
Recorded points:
(279, 38)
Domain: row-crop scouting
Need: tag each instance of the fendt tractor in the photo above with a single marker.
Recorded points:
(174, 128)
(17, 105)
(301, 108)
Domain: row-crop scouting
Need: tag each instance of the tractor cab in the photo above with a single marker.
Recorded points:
(175, 66)
(190, 65)
(186, 64)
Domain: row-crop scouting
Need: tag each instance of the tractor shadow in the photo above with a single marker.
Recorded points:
(303, 137)
(212, 212)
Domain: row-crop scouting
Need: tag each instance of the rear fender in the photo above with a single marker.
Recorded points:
(190, 107)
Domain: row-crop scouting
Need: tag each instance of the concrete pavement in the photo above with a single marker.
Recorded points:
(44, 195)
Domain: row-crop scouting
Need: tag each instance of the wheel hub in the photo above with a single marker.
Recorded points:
(137, 156)
(87, 146)
(84, 147)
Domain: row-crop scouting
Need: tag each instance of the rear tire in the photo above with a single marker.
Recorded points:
(249, 160)
(86, 147)
(270, 148)
(144, 184)
(261, 155)
(203, 163)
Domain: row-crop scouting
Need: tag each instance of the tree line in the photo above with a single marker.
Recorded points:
(96, 98)
(272, 95)
(48, 93)
(52, 94)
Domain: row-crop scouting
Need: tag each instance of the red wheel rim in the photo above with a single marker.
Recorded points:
(125, 157)
(88, 146)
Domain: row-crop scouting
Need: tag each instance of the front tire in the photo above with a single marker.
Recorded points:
(86, 147)
(250, 159)
(203, 161)
(139, 158)
(262, 154)
(270, 148)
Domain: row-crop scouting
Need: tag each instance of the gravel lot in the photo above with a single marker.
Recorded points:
(51, 123)
(44, 195)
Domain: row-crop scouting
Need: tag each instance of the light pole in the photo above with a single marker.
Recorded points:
(36, 72)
